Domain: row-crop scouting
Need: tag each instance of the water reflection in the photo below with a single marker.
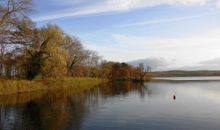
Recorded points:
(58, 110)
(121, 105)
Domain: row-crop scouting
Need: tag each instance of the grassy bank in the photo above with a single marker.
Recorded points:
(8, 87)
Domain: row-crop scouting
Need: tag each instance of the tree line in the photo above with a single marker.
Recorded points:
(29, 52)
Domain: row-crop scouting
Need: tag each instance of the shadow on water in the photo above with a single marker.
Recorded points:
(59, 110)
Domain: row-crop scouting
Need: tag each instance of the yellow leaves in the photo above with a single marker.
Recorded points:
(55, 62)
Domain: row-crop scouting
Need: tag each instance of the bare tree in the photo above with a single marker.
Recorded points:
(2, 53)
(91, 63)
(76, 53)
(143, 71)
(12, 12)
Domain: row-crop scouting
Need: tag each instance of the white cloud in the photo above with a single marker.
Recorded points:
(156, 63)
(66, 1)
(132, 4)
(211, 64)
(188, 2)
(214, 62)
(107, 6)
(168, 20)
(218, 3)
(187, 50)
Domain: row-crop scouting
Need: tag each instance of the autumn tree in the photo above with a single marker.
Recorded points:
(126, 71)
(105, 69)
(47, 55)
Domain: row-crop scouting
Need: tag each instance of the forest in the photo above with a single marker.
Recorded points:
(30, 52)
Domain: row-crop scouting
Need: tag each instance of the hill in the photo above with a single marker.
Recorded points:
(182, 73)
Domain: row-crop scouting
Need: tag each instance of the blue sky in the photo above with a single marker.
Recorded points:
(175, 33)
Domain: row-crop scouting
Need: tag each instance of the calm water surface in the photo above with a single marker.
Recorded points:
(158, 105)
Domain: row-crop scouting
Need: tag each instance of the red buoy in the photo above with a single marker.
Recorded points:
(174, 97)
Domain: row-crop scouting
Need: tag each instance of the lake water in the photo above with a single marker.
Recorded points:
(157, 105)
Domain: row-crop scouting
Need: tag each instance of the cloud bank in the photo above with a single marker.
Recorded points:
(156, 63)
(211, 64)
(161, 64)
(214, 62)
(186, 50)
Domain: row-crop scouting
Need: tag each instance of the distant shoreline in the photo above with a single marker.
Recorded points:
(183, 73)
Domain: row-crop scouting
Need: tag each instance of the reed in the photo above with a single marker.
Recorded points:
(8, 87)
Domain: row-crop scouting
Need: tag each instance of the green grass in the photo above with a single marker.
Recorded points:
(8, 87)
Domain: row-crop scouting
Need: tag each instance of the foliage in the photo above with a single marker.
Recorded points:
(123, 71)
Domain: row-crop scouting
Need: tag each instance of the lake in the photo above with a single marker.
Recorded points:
(158, 105)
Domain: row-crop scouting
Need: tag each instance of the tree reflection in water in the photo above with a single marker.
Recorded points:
(62, 110)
